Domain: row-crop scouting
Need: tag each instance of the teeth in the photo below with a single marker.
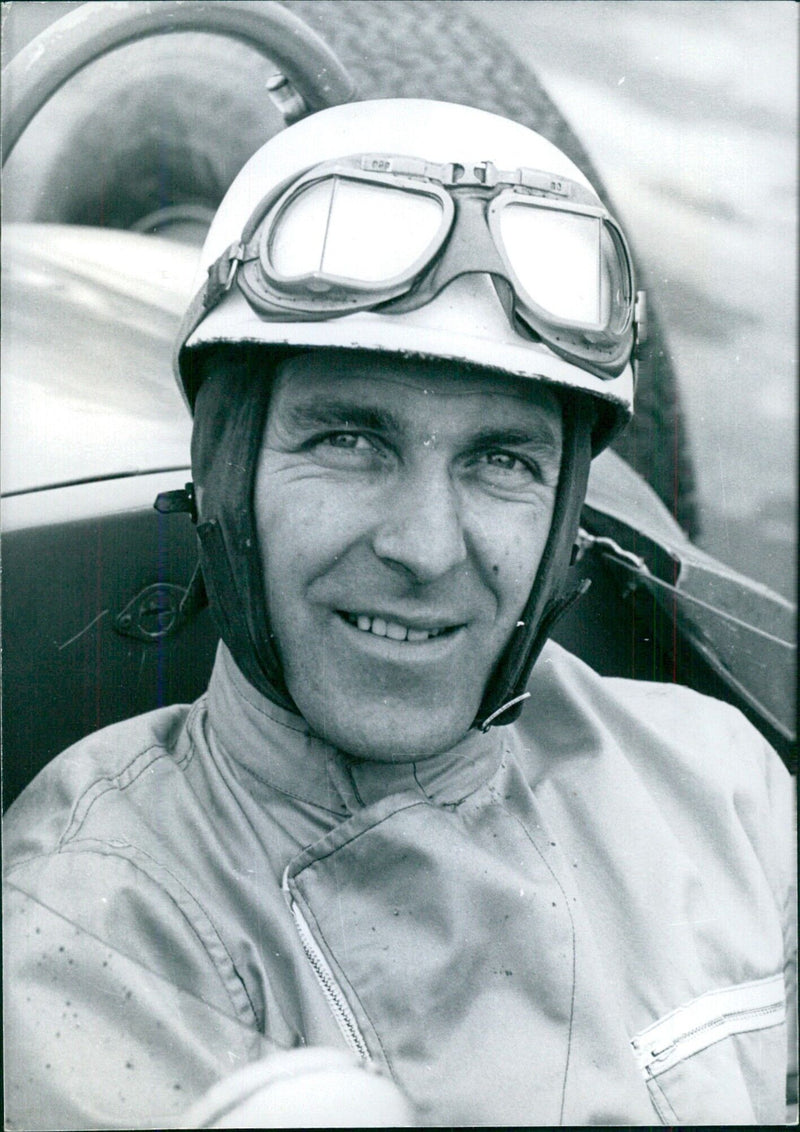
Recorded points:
(391, 629)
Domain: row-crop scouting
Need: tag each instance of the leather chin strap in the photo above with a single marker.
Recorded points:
(547, 601)
(230, 415)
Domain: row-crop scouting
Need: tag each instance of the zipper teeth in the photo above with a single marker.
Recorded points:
(751, 1011)
(333, 996)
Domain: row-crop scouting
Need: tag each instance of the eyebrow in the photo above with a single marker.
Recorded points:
(540, 435)
(333, 413)
(338, 413)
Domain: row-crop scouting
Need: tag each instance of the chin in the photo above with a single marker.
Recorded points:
(391, 735)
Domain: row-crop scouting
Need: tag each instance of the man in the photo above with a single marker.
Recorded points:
(416, 330)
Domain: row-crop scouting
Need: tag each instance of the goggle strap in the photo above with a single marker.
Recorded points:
(221, 275)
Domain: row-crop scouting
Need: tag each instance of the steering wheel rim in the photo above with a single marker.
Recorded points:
(64, 49)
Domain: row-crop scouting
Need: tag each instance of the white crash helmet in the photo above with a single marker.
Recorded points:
(418, 285)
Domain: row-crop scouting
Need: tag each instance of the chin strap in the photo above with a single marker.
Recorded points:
(505, 691)
(487, 723)
(230, 417)
(195, 599)
(212, 584)
(260, 667)
(553, 613)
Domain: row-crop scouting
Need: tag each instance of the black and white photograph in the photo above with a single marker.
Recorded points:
(399, 572)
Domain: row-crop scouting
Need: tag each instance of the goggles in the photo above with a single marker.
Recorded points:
(388, 233)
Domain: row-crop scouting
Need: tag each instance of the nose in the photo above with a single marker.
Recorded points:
(421, 531)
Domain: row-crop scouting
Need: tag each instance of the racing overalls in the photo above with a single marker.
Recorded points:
(579, 919)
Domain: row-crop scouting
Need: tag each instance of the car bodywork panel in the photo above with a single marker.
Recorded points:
(89, 317)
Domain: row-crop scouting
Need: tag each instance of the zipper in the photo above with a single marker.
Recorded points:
(735, 1022)
(334, 996)
(708, 1019)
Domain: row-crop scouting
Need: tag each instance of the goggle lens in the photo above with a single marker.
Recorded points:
(354, 232)
(560, 261)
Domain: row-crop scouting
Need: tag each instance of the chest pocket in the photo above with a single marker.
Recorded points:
(707, 1061)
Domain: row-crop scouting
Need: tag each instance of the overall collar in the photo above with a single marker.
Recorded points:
(279, 750)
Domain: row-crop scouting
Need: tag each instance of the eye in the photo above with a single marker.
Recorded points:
(346, 450)
(505, 461)
(496, 468)
(349, 441)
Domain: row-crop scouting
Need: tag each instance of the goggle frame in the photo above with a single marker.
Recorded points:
(317, 296)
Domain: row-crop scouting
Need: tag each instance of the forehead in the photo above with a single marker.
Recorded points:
(420, 390)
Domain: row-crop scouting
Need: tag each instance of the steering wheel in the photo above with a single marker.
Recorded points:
(312, 76)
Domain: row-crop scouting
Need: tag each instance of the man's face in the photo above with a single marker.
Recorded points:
(402, 510)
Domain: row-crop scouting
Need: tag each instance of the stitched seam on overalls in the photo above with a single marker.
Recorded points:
(250, 1031)
(138, 859)
(294, 797)
(361, 833)
(660, 1103)
(322, 935)
(557, 880)
(104, 785)
(101, 786)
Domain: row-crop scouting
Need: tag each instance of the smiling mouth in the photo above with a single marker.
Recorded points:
(394, 630)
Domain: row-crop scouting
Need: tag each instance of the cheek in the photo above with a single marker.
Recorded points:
(513, 546)
(304, 527)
